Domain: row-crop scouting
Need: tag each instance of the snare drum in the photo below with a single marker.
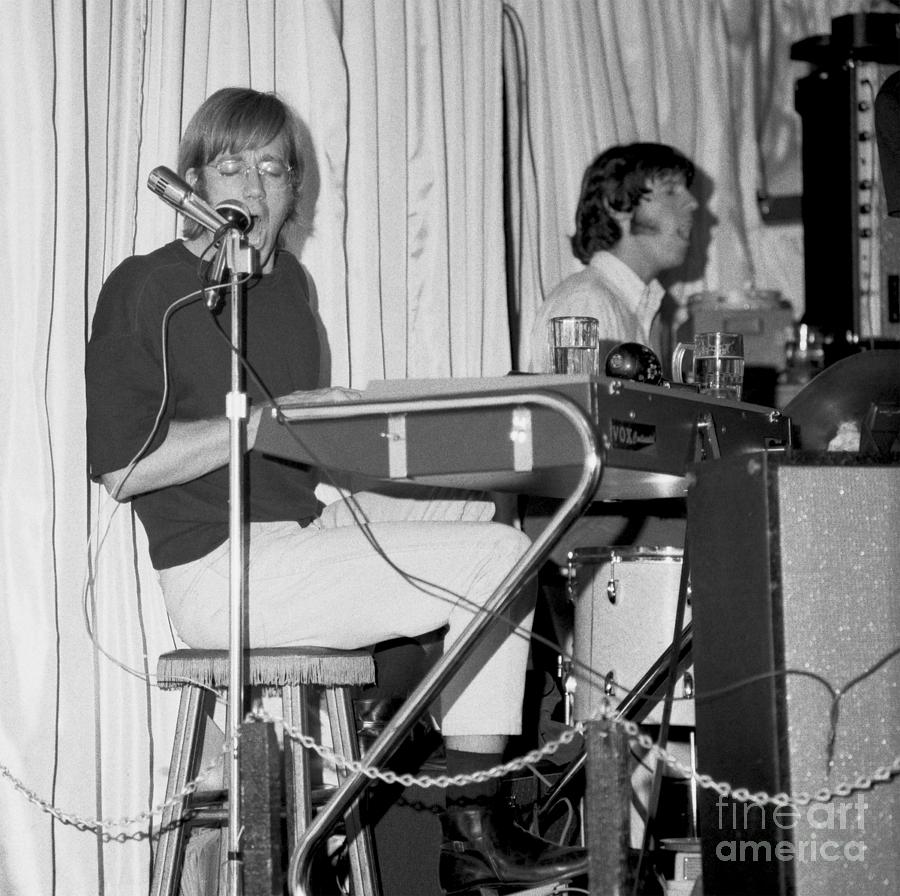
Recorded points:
(625, 604)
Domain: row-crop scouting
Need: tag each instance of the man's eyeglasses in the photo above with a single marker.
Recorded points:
(272, 171)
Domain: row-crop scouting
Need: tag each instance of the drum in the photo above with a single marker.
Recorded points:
(625, 603)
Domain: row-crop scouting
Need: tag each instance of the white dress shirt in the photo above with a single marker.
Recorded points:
(608, 290)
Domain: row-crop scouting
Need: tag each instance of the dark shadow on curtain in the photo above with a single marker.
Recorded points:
(692, 268)
(300, 229)
(516, 158)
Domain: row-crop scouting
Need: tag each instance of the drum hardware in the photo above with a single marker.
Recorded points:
(566, 675)
(609, 683)
(612, 586)
(650, 690)
(612, 590)
(688, 685)
(625, 605)
(671, 677)
(656, 686)
(568, 572)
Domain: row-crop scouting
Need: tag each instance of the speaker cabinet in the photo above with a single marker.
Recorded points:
(795, 568)
(851, 272)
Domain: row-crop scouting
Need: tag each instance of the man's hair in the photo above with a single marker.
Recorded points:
(617, 179)
(235, 119)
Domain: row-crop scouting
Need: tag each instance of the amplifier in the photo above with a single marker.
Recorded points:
(851, 271)
(795, 566)
(762, 317)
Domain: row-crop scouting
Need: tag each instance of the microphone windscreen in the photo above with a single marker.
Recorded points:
(236, 214)
(634, 361)
(166, 183)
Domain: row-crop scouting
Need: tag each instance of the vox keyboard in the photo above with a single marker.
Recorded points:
(651, 434)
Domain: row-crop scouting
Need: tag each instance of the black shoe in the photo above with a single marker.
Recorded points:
(478, 849)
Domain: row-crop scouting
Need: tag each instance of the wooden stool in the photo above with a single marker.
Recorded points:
(290, 671)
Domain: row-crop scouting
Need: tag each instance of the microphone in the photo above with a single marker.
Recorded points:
(236, 215)
(179, 195)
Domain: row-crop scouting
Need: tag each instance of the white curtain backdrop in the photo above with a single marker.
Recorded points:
(416, 265)
(711, 77)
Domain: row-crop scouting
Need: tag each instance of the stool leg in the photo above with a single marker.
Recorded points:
(363, 870)
(195, 706)
(298, 791)
(222, 884)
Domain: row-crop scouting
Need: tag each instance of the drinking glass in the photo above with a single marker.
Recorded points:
(574, 345)
(718, 364)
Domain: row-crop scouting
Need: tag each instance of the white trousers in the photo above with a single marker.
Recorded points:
(433, 564)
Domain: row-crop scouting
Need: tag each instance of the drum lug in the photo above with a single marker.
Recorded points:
(609, 683)
(612, 590)
(687, 689)
(612, 586)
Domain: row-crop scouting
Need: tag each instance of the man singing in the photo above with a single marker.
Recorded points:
(633, 222)
(158, 369)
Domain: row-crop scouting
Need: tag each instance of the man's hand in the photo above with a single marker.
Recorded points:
(328, 395)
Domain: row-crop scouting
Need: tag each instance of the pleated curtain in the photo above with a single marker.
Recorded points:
(447, 140)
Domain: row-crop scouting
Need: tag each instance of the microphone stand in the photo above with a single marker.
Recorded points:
(241, 261)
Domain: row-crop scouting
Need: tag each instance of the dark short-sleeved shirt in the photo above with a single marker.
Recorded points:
(125, 375)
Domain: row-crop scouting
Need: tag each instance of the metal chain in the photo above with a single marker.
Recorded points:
(635, 734)
(357, 766)
(107, 824)
(882, 774)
